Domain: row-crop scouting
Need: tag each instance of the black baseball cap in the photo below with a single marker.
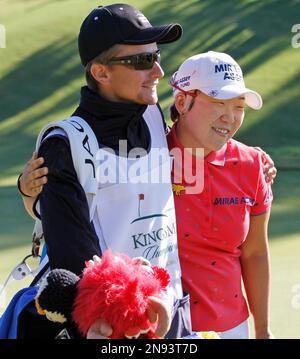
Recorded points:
(115, 24)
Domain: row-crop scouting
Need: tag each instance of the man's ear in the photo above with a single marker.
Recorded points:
(100, 73)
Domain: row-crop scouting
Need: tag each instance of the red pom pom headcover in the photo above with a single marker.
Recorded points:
(117, 290)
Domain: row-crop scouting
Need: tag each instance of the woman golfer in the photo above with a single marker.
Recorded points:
(222, 231)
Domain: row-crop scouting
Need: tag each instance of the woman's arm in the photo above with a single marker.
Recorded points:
(31, 182)
(255, 263)
(28, 204)
(269, 169)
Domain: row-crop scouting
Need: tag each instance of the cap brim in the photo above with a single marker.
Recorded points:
(159, 34)
(252, 98)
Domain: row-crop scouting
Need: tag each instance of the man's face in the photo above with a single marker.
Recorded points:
(125, 84)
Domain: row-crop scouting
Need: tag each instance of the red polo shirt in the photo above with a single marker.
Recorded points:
(211, 227)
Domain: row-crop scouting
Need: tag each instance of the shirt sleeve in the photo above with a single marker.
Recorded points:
(69, 235)
(264, 195)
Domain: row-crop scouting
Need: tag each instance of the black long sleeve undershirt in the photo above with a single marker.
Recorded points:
(69, 235)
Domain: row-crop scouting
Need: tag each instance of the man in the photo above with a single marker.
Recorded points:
(118, 48)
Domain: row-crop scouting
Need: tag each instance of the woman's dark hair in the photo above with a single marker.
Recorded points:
(174, 114)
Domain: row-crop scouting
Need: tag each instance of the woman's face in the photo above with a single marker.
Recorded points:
(210, 123)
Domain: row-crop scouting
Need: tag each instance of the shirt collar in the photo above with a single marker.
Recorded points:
(217, 158)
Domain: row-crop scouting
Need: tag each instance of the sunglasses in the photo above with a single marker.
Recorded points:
(143, 61)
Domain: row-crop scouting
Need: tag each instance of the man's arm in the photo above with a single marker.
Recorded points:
(69, 235)
(255, 264)
(34, 177)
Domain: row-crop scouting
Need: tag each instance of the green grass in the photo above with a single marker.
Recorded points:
(40, 76)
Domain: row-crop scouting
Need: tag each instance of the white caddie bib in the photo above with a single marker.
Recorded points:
(138, 217)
